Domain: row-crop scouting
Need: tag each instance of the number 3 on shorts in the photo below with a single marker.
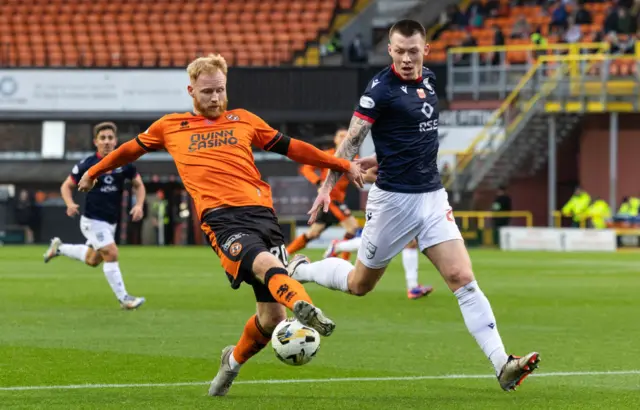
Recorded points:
(280, 252)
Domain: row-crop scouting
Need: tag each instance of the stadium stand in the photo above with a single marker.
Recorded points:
(477, 23)
(144, 33)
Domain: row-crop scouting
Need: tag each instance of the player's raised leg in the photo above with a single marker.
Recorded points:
(80, 252)
(410, 263)
(443, 245)
(274, 290)
(388, 229)
(290, 293)
(256, 335)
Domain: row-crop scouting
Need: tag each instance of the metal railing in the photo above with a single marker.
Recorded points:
(541, 79)
(474, 78)
(502, 121)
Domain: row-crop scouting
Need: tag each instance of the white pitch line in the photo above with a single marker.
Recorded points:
(328, 380)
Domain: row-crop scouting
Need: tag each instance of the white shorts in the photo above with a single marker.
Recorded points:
(393, 219)
(98, 233)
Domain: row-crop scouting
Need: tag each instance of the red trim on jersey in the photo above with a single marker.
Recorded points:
(98, 155)
(364, 117)
(393, 68)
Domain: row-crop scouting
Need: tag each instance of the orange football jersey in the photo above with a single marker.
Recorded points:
(214, 157)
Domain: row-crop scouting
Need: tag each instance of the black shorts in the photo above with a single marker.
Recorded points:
(338, 212)
(238, 235)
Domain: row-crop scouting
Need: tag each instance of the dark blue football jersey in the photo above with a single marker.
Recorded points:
(104, 201)
(404, 115)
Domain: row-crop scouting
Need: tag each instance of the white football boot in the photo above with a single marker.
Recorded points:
(517, 369)
(221, 384)
(131, 302)
(52, 252)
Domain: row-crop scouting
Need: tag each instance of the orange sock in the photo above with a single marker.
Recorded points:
(284, 289)
(253, 339)
(299, 243)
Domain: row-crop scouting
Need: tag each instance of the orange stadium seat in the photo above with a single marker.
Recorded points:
(162, 32)
(506, 20)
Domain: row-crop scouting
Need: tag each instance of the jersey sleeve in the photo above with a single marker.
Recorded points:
(78, 171)
(372, 101)
(153, 138)
(264, 136)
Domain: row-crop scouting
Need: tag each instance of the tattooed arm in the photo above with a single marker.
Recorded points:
(358, 130)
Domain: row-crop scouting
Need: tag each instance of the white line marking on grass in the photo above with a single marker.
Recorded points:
(328, 380)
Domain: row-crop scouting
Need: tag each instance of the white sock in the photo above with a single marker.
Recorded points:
(114, 277)
(233, 363)
(78, 252)
(410, 263)
(332, 273)
(349, 245)
(481, 323)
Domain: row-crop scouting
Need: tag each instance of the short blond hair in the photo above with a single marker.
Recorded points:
(206, 65)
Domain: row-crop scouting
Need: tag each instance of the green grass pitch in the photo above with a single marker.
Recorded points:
(61, 326)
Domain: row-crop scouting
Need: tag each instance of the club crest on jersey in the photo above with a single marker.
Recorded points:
(421, 93)
(232, 240)
(367, 102)
(428, 86)
(370, 250)
(232, 117)
(235, 249)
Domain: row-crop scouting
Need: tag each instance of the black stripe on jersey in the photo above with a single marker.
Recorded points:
(144, 147)
(279, 144)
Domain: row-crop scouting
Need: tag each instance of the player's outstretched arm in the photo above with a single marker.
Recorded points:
(304, 153)
(125, 154)
(271, 140)
(348, 149)
(150, 140)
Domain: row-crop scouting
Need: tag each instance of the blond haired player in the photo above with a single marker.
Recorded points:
(211, 147)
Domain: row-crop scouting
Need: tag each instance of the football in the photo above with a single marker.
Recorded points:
(294, 343)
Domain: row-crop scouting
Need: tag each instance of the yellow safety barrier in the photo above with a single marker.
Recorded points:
(625, 87)
(481, 216)
(572, 49)
(557, 220)
(471, 149)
